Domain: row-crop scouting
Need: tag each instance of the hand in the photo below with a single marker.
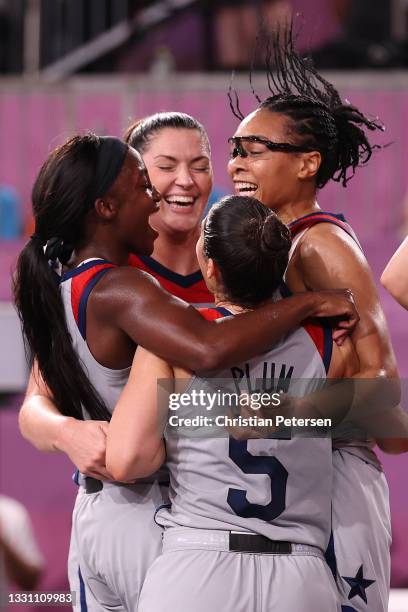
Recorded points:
(338, 307)
(85, 444)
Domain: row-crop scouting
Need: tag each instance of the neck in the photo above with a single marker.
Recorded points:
(176, 251)
(294, 210)
(101, 249)
(222, 302)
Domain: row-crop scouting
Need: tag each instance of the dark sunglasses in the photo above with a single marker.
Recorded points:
(238, 149)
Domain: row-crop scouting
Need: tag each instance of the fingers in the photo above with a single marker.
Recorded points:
(339, 335)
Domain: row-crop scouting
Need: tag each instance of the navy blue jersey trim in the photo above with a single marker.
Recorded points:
(335, 217)
(84, 300)
(224, 311)
(82, 594)
(338, 216)
(330, 556)
(350, 232)
(83, 268)
(75, 477)
(181, 280)
(168, 506)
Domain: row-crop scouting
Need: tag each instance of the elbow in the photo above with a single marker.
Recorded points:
(206, 358)
(124, 468)
(397, 289)
(22, 421)
(393, 446)
(385, 280)
(24, 426)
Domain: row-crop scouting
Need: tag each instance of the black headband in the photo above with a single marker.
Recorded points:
(111, 157)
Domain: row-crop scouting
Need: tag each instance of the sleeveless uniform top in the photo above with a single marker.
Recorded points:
(76, 286)
(298, 228)
(189, 287)
(277, 487)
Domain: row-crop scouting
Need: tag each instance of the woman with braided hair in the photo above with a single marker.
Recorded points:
(298, 139)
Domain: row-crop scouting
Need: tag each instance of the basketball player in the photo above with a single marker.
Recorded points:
(249, 521)
(177, 154)
(176, 150)
(92, 201)
(282, 153)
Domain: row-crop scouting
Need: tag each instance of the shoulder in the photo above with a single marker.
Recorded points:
(326, 247)
(118, 281)
(327, 236)
(122, 290)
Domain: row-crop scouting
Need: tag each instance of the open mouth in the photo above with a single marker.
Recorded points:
(245, 188)
(177, 202)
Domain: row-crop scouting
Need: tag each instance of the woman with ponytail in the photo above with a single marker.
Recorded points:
(84, 311)
(299, 138)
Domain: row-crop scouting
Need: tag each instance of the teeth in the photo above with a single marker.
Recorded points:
(179, 199)
(245, 187)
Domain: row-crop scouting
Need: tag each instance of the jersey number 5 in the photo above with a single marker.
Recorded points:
(256, 464)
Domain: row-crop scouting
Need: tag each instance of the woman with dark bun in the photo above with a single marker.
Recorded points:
(84, 311)
(244, 512)
(297, 140)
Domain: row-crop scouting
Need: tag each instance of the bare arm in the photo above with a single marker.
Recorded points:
(328, 257)
(395, 276)
(48, 430)
(175, 331)
(163, 324)
(135, 446)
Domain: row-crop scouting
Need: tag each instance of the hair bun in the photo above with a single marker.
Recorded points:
(275, 237)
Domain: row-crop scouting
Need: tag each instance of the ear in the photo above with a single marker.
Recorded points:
(212, 271)
(106, 208)
(310, 164)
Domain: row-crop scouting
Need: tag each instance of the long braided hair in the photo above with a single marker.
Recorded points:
(318, 116)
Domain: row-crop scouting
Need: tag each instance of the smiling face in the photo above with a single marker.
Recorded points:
(137, 200)
(179, 166)
(272, 177)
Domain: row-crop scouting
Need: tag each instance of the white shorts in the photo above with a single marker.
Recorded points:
(197, 573)
(361, 533)
(114, 541)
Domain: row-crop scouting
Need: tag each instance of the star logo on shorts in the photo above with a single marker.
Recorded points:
(358, 585)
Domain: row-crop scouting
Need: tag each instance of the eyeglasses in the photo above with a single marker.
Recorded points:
(240, 148)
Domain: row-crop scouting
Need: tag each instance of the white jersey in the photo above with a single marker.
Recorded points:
(279, 488)
(75, 287)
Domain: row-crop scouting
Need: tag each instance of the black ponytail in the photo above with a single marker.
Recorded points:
(62, 198)
(250, 246)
